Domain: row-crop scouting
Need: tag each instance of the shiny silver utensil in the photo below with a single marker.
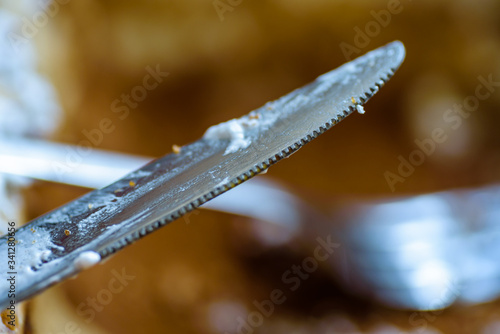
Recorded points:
(79, 234)
(420, 252)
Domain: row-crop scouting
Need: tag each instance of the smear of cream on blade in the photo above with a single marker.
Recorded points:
(32, 248)
(348, 74)
(87, 259)
(234, 130)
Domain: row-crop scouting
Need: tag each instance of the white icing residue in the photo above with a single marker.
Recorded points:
(33, 248)
(234, 130)
(344, 75)
(223, 182)
(240, 133)
(44, 255)
(86, 260)
(360, 109)
(139, 173)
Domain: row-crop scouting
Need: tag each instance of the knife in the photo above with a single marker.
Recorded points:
(71, 238)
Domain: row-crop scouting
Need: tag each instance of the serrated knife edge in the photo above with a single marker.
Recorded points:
(108, 219)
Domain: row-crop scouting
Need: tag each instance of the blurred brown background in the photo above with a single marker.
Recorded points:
(192, 278)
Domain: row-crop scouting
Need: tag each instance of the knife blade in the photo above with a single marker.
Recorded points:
(69, 239)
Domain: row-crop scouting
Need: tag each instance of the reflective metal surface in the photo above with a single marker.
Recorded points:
(108, 219)
(424, 252)
(420, 252)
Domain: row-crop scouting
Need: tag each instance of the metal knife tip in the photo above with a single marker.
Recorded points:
(396, 50)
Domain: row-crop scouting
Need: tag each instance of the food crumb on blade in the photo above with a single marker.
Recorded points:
(360, 109)
(176, 149)
(87, 259)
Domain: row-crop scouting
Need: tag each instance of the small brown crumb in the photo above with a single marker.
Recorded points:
(269, 108)
(8, 322)
(90, 206)
(33, 242)
(256, 116)
(67, 232)
(353, 100)
(176, 149)
(33, 230)
(131, 183)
